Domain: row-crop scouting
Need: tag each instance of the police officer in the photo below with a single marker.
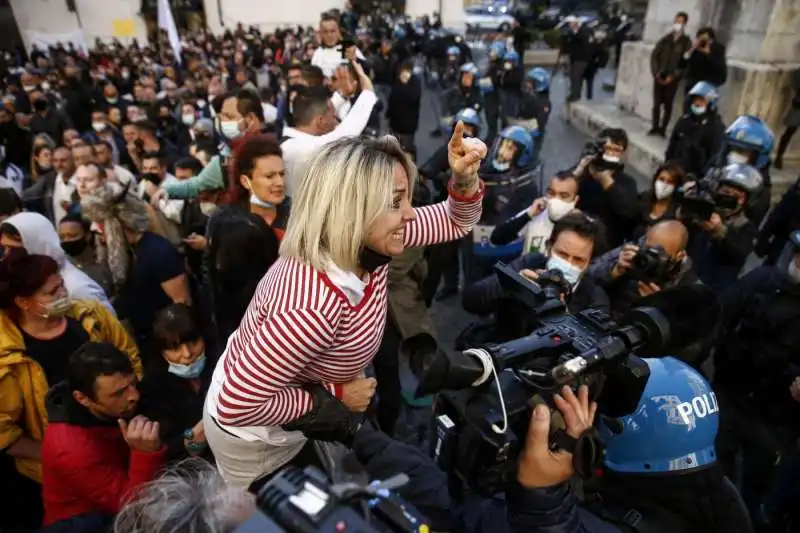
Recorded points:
(510, 85)
(467, 94)
(749, 140)
(508, 173)
(534, 103)
(756, 363)
(780, 223)
(660, 470)
(497, 51)
(697, 136)
(720, 245)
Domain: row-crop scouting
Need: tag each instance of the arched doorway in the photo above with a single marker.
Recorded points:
(189, 15)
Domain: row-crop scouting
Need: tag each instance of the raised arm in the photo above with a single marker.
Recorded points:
(453, 218)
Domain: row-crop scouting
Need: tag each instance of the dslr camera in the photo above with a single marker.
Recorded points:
(487, 393)
(304, 501)
(652, 264)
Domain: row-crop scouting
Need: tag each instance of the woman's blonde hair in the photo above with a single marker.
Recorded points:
(347, 185)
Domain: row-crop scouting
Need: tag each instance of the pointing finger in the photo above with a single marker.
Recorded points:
(458, 136)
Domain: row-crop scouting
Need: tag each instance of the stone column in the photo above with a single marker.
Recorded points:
(763, 50)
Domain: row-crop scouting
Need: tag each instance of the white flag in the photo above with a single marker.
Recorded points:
(167, 23)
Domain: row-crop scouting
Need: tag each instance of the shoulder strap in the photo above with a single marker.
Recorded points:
(283, 139)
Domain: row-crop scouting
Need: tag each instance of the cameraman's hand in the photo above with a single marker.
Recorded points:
(583, 165)
(646, 289)
(538, 205)
(540, 466)
(357, 394)
(713, 225)
(604, 177)
(625, 260)
(529, 274)
(795, 389)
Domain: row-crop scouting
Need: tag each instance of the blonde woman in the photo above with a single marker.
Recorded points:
(318, 315)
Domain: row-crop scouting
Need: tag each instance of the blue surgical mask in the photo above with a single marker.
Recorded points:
(230, 129)
(255, 200)
(571, 273)
(698, 110)
(191, 371)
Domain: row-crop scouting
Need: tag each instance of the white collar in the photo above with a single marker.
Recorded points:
(288, 131)
(348, 282)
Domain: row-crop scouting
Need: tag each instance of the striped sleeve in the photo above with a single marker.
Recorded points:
(445, 221)
(258, 388)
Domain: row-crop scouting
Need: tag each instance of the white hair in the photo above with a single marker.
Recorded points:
(191, 497)
(347, 185)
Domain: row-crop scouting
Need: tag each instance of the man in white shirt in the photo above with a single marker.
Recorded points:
(316, 125)
(330, 54)
(103, 156)
(64, 184)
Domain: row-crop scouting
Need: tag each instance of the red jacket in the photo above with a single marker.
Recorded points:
(87, 465)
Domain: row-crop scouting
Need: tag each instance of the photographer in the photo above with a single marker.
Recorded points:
(719, 246)
(569, 249)
(660, 471)
(756, 363)
(634, 271)
(605, 190)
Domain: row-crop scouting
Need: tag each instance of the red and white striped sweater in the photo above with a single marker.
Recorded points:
(300, 328)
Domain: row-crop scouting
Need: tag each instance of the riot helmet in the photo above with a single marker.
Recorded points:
(513, 147)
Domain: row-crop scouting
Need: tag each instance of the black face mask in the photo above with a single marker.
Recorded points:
(370, 260)
(74, 248)
(40, 105)
(152, 177)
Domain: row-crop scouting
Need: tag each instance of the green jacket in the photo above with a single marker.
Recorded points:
(212, 177)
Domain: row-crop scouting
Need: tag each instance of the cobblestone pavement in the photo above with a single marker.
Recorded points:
(562, 147)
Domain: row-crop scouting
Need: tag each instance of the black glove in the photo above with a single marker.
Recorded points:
(328, 420)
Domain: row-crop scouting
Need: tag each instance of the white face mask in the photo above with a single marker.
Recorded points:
(611, 158)
(677, 27)
(558, 208)
(663, 190)
(187, 119)
(793, 270)
(735, 158)
(571, 273)
(258, 202)
(99, 126)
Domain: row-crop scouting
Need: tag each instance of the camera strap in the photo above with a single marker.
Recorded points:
(586, 450)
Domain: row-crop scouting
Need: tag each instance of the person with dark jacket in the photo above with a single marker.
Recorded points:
(781, 222)
(174, 387)
(578, 44)
(661, 201)
(604, 190)
(15, 140)
(756, 365)
(78, 97)
(616, 272)
(570, 249)
(46, 119)
(705, 61)
(404, 105)
(698, 134)
(94, 455)
(384, 63)
(665, 67)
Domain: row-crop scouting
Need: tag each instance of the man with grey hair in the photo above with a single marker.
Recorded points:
(190, 497)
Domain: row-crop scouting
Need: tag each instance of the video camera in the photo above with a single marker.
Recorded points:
(699, 202)
(304, 501)
(487, 393)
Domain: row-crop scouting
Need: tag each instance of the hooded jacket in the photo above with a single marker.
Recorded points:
(23, 385)
(88, 466)
(39, 237)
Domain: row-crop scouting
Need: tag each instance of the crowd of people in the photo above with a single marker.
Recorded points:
(213, 263)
